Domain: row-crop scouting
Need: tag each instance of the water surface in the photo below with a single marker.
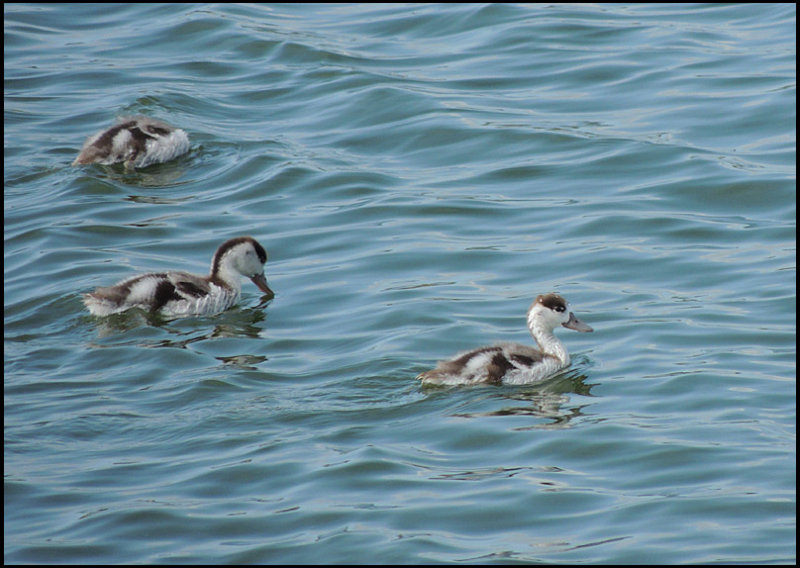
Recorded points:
(418, 174)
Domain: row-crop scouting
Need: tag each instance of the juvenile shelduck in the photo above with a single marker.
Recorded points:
(138, 141)
(174, 294)
(513, 363)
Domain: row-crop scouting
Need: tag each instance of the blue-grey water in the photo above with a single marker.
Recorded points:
(418, 174)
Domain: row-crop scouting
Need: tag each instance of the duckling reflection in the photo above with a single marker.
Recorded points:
(236, 322)
(548, 404)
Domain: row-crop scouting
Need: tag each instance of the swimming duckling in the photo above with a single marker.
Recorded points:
(175, 293)
(513, 363)
(138, 141)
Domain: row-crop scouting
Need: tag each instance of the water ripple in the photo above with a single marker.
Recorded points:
(418, 173)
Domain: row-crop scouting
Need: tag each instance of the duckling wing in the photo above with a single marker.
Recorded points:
(189, 286)
(155, 290)
(147, 291)
(521, 356)
(465, 368)
(484, 365)
(190, 294)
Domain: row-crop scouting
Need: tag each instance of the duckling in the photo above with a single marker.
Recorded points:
(138, 141)
(175, 294)
(513, 363)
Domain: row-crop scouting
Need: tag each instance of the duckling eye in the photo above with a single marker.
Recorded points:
(561, 309)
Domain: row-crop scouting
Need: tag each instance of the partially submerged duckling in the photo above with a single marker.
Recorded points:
(137, 141)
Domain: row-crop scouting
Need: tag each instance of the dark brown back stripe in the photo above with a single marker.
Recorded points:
(154, 130)
(462, 361)
(191, 289)
(165, 292)
(107, 137)
(524, 360)
(498, 368)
